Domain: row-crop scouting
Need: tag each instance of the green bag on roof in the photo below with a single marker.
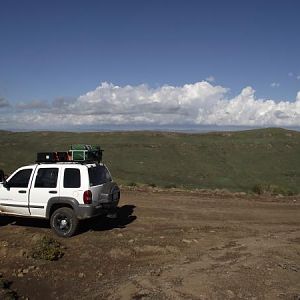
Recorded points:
(81, 152)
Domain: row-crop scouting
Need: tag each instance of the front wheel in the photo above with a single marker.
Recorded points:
(64, 222)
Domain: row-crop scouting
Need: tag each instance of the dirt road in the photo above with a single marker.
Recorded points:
(166, 245)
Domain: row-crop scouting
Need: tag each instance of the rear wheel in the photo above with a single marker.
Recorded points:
(64, 222)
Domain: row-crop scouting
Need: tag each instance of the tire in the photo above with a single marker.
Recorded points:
(64, 222)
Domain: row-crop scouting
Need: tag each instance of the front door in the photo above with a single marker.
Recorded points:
(14, 197)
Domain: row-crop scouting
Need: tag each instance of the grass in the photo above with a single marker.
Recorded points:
(236, 161)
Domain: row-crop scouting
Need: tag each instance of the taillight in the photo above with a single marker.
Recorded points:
(87, 197)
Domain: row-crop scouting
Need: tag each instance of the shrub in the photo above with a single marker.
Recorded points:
(272, 189)
(258, 189)
(47, 248)
(4, 284)
(5, 291)
(152, 185)
(170, 186)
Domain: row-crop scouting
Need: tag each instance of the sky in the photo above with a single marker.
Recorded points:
(160, 63)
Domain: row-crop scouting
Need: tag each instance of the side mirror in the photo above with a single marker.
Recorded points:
(6, 184)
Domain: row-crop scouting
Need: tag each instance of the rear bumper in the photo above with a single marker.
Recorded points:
(88, 211)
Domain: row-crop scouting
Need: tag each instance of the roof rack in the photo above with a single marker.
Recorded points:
(67, 162)
(77, 154)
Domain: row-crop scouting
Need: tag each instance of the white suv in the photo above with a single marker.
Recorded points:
(64, 192)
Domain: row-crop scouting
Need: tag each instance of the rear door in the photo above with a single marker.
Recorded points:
(71, 183)
(14, 199)
(45, 186)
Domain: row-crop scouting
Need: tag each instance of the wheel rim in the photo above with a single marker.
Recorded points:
(62, 223)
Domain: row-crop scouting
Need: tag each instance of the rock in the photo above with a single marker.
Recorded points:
(3, 251)
(4, 244)
(81, 275)
(156, 272)
(283, 266)
(150, 249)
(99, 274)
(25, 271)
(172, 249)
(142, 294)
(186, 260)
(117, 253)
(186, 241)
(22, 253)
(20, 275)
(294, 268)
(119, 234)
(36, 237)
(131, 241)
(230, 294)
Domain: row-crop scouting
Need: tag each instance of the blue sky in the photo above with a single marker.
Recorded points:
(53, 51)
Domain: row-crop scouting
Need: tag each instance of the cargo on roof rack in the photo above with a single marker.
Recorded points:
(78, 153)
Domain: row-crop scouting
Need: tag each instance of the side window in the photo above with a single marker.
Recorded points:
(72, 178)
(21, 179)
(46, 178)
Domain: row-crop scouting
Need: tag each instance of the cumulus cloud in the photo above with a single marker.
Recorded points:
(34, 104)
(3, 102)
(62, 102)
(210, 79)
(200, 103)
(275, 84)
(292, 75)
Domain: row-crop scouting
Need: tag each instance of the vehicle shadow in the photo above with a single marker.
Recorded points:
(102, 223)
(23, 221)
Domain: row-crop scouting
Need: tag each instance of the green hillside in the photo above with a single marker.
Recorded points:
(237, 161)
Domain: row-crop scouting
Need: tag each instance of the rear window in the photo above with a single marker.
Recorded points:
(72, 178)
(98, 175)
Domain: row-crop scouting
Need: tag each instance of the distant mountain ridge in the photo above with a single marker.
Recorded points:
(235, 160)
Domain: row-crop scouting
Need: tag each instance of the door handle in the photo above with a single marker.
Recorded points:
(22, 192)
(52, 192)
